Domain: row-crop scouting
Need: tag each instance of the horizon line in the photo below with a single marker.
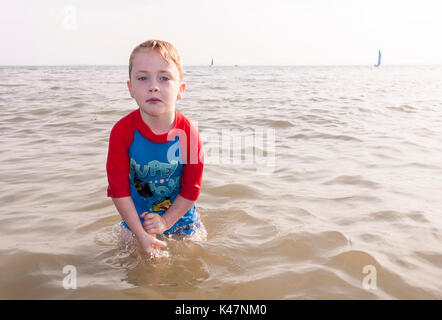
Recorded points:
(221, 65)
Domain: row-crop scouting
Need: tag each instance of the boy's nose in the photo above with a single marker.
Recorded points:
(153, 89)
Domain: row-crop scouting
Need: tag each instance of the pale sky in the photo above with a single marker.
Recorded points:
(270, 32)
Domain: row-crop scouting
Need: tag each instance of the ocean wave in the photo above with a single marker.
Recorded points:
(353, 180)
(403, 108)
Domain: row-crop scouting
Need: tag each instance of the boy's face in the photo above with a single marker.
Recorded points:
(154, 83)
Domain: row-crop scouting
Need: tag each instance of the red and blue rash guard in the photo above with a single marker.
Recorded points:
(153, 169)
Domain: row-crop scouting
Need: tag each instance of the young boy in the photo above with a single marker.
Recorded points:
(155, 159)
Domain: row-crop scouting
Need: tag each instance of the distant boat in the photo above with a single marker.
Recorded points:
(379, 59)
(211, 63)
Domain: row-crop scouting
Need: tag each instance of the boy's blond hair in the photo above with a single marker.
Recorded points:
(166, 49)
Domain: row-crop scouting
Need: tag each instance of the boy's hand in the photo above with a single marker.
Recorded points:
(154, 223)
(148, 242)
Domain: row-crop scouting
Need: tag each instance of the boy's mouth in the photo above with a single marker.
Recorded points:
(153, 100)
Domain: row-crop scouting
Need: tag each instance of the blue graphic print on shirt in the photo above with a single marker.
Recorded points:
(154, 178)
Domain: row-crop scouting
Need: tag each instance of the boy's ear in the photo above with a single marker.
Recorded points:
(182, 88)
(129, 86)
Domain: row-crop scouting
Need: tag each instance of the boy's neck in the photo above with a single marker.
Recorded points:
(159, 125)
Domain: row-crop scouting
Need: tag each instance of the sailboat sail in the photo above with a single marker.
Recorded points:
(379, 59)
(211, 63)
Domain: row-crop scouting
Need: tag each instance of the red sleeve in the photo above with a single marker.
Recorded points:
(117, 165)
(192, 176)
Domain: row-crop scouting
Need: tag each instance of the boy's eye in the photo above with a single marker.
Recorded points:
(142, 78)
(164, 78)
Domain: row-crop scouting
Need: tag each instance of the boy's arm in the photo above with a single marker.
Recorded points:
(126, 208)
(154, 223)
(190, 187)
(177, 210)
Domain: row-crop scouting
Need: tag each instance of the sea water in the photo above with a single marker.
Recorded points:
(319, 183)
